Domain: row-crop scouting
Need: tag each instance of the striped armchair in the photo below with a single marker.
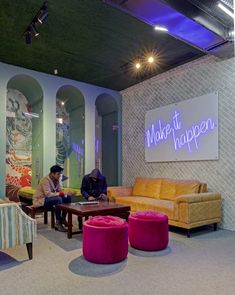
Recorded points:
(16, 228)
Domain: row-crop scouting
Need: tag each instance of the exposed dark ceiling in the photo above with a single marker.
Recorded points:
(97, 41)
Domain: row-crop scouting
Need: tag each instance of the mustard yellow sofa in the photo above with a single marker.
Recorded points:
(187, 203)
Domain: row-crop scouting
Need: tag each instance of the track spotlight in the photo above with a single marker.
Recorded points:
(28, 37)
(40, 18)
(43, 17)
(43, 13)
(33, 30)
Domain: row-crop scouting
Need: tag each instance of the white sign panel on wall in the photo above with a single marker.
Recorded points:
(184, 131)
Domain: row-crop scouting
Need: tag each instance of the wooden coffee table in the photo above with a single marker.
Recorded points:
(103, 208)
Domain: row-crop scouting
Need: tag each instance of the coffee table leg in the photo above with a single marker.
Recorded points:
(70, 225)
(80, 222)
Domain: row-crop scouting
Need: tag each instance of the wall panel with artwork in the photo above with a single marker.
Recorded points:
(23, 133)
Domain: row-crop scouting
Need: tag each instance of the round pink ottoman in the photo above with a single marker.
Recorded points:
(105, 239)
(148, 230)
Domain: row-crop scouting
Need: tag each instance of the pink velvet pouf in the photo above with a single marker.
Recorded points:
(148, 230)
(105, 239)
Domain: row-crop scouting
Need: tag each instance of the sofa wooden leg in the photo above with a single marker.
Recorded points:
(188, 233)
(30, 250)
(80, 221)
(215, 227)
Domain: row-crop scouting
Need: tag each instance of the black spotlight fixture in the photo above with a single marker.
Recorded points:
(43, 13)
(28, 37)
(38, 19)
(30, 33)
(32, 29)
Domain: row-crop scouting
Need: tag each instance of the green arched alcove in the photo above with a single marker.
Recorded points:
(70, 134)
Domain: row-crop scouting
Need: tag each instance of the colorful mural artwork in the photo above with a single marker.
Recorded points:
(19, 141)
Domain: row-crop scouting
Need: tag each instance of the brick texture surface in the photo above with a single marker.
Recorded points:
(194, 79)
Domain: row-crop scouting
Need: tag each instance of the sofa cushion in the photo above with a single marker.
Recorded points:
(140, 203)
(28, 192)
(153, 188)
(106, 221)
(149, 215)
(139, 186)
(75, 191)
(147, 187)
(171, 188)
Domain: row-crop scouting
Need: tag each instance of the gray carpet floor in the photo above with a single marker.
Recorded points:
(203, 264)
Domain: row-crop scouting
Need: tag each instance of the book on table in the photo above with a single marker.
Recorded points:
(88, 203)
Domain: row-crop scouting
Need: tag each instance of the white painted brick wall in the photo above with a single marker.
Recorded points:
(191, 80)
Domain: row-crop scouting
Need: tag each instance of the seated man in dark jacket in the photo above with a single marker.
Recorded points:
(94, 186)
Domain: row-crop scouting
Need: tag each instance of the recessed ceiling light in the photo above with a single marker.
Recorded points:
(226, 10)
(160, 28)
(150, 59)
(137, 65)
(228, 3)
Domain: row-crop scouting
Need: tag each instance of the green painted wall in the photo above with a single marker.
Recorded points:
(76, 159)
(110, 148)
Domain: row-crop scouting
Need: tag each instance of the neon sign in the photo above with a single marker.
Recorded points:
(183, 131)
(159, 132)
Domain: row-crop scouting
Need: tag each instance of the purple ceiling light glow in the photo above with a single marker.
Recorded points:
(154, 12)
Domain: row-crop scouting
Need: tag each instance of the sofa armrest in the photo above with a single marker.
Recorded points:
(196, 198)
(17, 228)
(119, 191)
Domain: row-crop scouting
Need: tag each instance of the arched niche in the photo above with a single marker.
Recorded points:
(24, 132)
(106, 141)
(70, 134)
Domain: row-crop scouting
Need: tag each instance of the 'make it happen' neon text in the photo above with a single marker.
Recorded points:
(188, 137)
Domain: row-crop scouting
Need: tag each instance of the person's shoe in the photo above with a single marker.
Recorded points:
(64, 222)
(60, 227)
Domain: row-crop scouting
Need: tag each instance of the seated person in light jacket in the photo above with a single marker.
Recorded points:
(48, 194)
(94, 186)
